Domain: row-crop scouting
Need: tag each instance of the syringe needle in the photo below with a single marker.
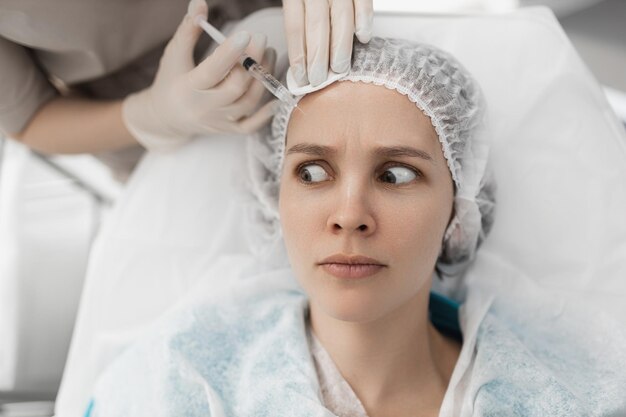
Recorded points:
(254, 68)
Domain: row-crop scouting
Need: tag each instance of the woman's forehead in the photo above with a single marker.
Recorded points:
(367, 115)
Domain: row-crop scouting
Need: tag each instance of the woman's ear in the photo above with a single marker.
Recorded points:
(450, 219)
(452, 214)
(448, 231)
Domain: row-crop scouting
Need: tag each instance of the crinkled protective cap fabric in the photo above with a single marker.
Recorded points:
(445, 92)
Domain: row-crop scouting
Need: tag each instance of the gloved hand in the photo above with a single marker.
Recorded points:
(313, 39)
(215, 96)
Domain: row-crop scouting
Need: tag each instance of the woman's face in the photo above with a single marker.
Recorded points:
(364, 175)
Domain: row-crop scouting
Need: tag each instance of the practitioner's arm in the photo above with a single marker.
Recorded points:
(184, 100)
(76, 125)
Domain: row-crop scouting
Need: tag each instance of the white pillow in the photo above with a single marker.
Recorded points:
(559, 156)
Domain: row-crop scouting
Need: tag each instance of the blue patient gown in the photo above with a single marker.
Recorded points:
(248, 356)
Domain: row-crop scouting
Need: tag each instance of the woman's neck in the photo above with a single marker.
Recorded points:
(395, 364)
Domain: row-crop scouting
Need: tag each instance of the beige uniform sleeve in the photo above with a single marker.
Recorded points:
(23, 87)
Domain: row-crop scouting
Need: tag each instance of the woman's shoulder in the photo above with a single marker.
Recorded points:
(509, 379)
(206, 356)
(530, 365)
(220, 328)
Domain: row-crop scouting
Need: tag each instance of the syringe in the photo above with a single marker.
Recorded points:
(254, 68)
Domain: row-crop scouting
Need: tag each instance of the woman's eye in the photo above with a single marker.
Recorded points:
(312, 173)
(398, 175)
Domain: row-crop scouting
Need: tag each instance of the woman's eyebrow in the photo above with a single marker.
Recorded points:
(396, 151)
(311, 149)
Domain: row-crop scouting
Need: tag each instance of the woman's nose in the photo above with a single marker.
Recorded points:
(352, 213)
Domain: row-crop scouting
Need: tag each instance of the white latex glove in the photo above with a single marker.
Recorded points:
(322, 30)
(215, 96)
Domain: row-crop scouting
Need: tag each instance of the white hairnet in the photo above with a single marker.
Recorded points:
(443, 90)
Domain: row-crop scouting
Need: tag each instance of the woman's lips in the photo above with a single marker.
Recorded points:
(352, 271)
(351, 266)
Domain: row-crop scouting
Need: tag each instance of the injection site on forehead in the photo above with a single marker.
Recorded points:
(430, 78)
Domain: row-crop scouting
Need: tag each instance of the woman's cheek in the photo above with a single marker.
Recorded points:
(410, 226)
(296, 214)
(307, 217)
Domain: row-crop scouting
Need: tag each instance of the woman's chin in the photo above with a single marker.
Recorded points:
(352, 307)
